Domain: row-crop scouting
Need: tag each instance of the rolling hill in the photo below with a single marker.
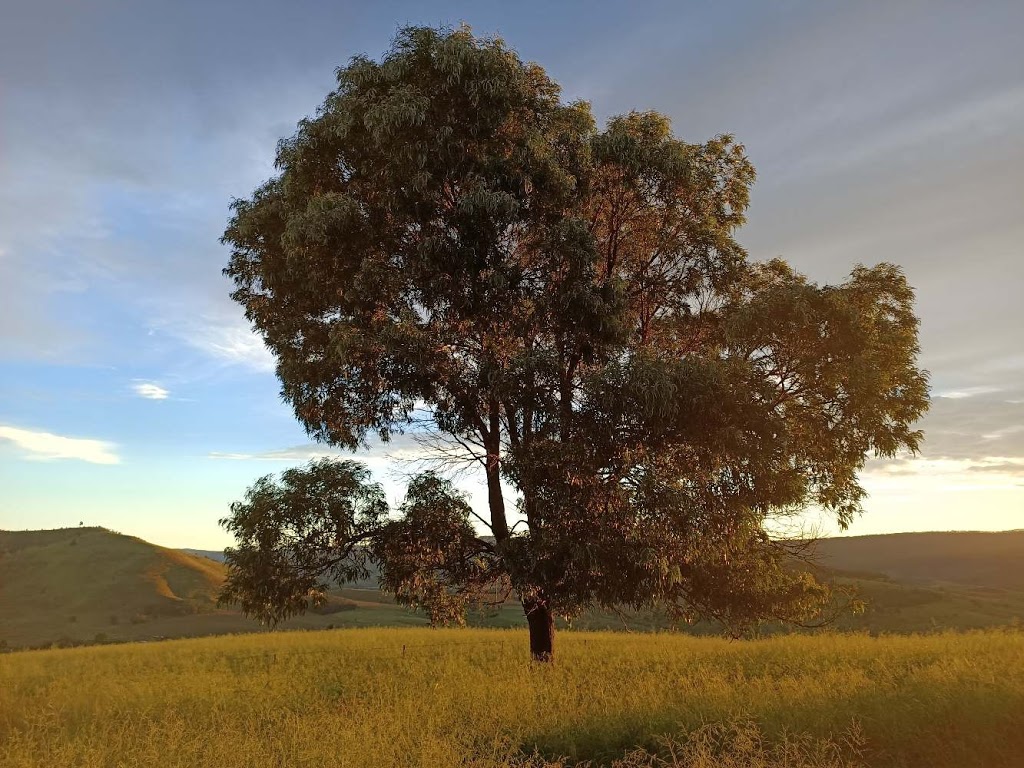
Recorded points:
(210, 554)
(93, 585)
(83, 585)
(968, 558)
(78, 582)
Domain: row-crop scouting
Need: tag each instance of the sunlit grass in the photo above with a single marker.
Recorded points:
(471, 697)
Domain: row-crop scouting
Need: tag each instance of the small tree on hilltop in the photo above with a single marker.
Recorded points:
(570, 309)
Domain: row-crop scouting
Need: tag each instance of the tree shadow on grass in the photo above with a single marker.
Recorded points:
(939, 726)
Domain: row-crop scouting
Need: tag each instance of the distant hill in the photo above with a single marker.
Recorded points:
(370, 582)
(914, 582)
(970, 559)
(211, 554)
(77, 581)
(75, 585)
(93, 585)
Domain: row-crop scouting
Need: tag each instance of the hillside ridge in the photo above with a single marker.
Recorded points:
(985, 559)
(90, 580)
(90, 584)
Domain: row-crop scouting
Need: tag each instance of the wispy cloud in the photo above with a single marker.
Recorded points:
(224, 336)
(150, 390)
(45, 446)
(960, 122)
(1002, 466)
(924, 466)
(976, 425)
(236, 344)
(400, 447)
(296, 453)
(960, 394)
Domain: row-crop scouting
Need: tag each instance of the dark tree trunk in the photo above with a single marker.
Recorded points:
(496, 502)
(542, 630)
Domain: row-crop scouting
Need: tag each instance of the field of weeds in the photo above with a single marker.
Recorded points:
(422, 697)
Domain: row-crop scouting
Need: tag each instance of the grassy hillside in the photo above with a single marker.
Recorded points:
(966, 558)
(973, 559)
(437, 698)
(92, 585)
(78, 585)
(78, 582)
(211, 554)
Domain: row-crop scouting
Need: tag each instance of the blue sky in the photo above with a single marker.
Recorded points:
(134, 396)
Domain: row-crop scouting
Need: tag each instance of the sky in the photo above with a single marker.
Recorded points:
(133, 394)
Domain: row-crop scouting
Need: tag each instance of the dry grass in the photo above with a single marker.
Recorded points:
(471, 698)
(79, 582)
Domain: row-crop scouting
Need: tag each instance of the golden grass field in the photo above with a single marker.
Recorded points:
(473, 698)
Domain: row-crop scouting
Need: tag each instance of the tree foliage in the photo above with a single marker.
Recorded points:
(570, 308)
(297, 535)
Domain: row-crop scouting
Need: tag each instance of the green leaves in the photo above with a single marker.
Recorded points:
(296, 535)
(326, 523)
(835, 369)
(571, 307)
(431, 558)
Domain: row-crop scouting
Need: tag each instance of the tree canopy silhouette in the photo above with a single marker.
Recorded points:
(447, 241)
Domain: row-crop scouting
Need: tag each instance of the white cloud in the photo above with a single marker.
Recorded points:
(402, 447)
(44, 446)
(960, 394)
(1004, 432)
(236, 344)
(298, 453)
(222, 335)
(150, 391)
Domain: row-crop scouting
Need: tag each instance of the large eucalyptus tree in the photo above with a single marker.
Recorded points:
(568, 306)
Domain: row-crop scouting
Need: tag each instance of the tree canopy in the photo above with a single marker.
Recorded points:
(446, 241)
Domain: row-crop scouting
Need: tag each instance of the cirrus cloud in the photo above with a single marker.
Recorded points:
(221, 334)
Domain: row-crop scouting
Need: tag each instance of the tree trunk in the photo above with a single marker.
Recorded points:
(542, 630)
(495, 500)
